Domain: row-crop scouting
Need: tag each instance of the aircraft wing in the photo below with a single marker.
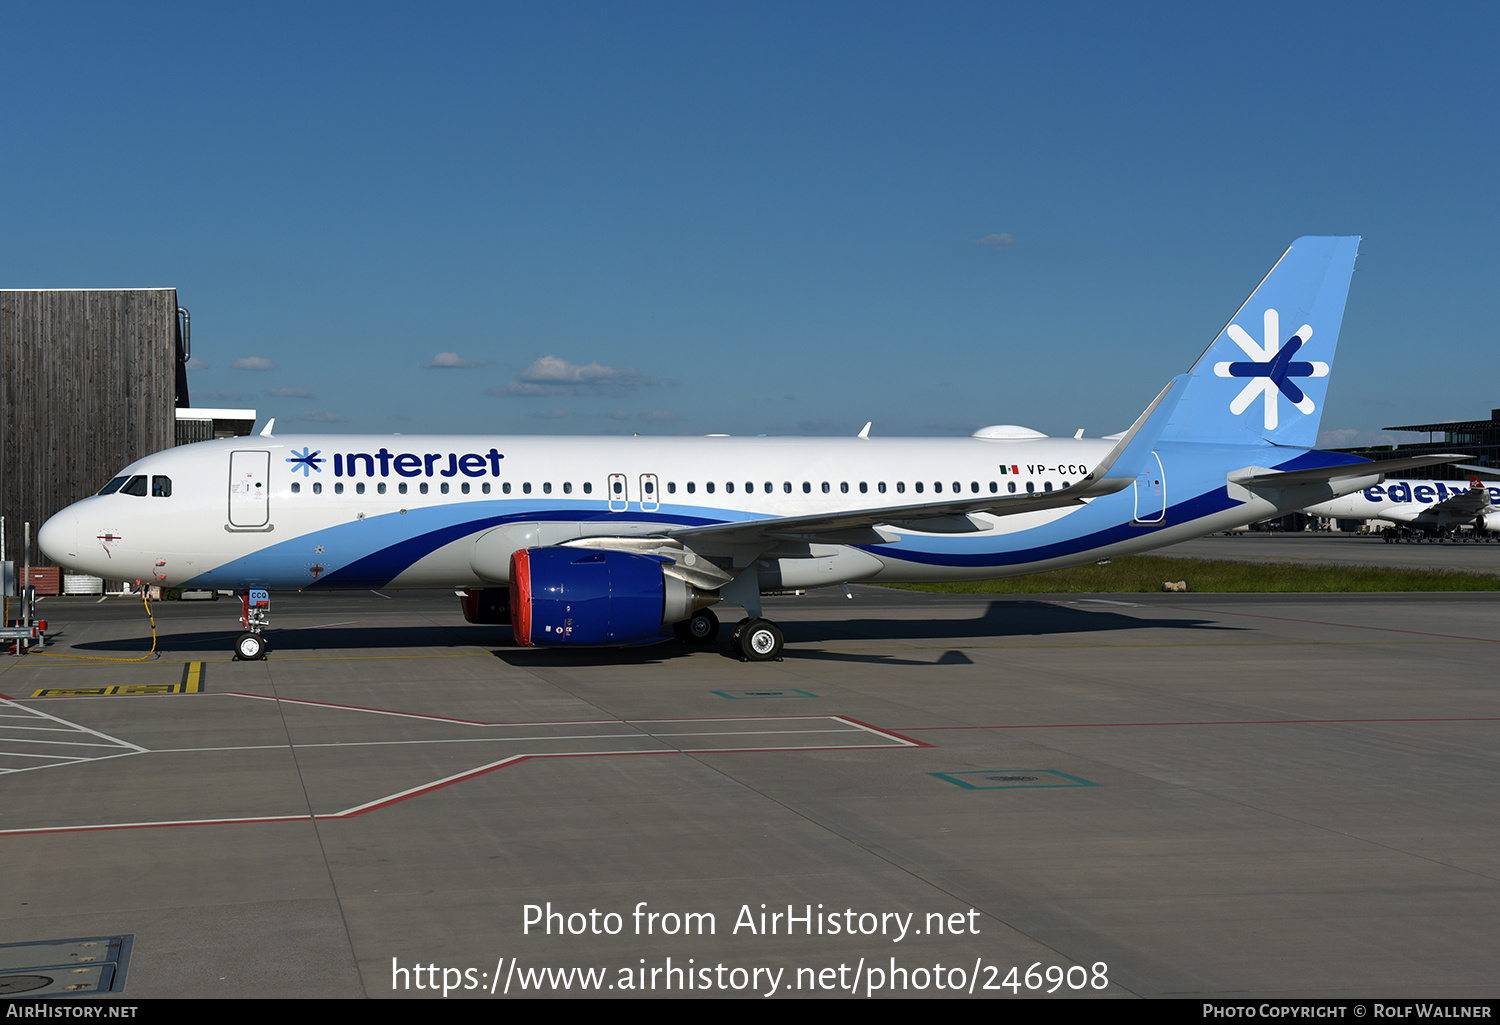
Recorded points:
(1115, 472)
(1466, 503)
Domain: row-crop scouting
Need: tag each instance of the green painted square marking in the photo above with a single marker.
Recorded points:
(1012, 779)
(753, 695)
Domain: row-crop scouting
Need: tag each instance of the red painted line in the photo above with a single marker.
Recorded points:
(1210, 722)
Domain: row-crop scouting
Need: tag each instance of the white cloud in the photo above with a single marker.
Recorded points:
(322, 417)
(198, 364)
(452, 360)
(997, 239)
(290, 393)
(552, 375)
(253, 363)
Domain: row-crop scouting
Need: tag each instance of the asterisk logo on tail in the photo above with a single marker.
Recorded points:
(1273, 368)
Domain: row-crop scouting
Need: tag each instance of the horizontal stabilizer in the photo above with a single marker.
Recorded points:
(1260, 476)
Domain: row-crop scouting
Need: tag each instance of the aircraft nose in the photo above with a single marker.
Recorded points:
(59, 536)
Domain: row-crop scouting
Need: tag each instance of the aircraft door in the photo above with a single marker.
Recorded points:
(1151, 493)
(250, 490)
(650, 497)
(619, 501)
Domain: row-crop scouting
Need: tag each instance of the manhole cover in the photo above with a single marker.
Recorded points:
(12, 984)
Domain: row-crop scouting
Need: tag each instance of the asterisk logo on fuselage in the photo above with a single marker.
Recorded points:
(1273, 368)
(306, 461)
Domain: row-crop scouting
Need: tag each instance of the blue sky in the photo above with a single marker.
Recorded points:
(758, 218)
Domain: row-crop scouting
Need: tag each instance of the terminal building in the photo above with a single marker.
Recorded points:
(1477, 440)
(90, 380)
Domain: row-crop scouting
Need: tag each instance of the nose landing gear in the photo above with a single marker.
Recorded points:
(255, 616)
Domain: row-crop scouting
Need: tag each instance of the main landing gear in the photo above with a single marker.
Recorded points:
(753, 640)
(757, 640)
(700, 628)
(255, 616)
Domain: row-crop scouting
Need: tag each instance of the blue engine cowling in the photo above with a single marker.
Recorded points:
(583, 596)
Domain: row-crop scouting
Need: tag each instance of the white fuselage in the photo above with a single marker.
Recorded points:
(439, 511)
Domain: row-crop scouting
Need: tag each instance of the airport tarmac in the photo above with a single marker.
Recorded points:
(1325, 548)
(1239, 796)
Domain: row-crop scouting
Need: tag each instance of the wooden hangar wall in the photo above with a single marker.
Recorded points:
(89, 381)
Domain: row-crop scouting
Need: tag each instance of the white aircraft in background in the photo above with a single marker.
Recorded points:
(1428, 505)
(618, 541)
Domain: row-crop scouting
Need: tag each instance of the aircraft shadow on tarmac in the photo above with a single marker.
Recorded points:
(1001, 619)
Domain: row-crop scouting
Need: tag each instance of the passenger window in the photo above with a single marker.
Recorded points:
(671, 487)
(567, 487)
(825, 487)
(786, 486)
(422, 487)
(937, 487)
(380, 488)
(338, 489)
(547, 488)
(1030, 487)
(317, 488)
(526, 488)
(464, 487)
(443, 487)
(161, 487)
(1012, 486)
(485, 487)
(709, 487)
(994, 488)
(359, 489)
(729, 488)
(864, 488)
(691, 487)
(769, 487)
(401, 487)
(881, 487)
(135, 486)
(901, 487)
(1047, 486)
(114, 485)
(807, 487)
(588, 489)
(505, 487)
(917, 485)
(296, 488)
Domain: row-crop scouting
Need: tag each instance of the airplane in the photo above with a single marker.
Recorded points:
(626, 540)
(1431, 505)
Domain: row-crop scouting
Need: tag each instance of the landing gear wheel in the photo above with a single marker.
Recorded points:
(249, 647)
(760, 640)
(701, 628)
(734, 637)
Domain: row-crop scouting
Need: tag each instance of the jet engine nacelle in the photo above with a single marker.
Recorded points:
(583, 596)
(1490, 521)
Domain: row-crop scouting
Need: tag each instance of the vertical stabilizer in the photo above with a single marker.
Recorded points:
(1264, 377)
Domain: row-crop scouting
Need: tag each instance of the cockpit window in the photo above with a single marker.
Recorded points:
(161, 487)
(134, 486)
(113, 486)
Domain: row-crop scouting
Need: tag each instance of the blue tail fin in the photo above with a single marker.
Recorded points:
(1264, 377)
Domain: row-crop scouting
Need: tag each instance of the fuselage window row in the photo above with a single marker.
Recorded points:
(161, 487)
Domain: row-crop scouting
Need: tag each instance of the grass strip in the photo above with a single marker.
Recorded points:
(1139, 574)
